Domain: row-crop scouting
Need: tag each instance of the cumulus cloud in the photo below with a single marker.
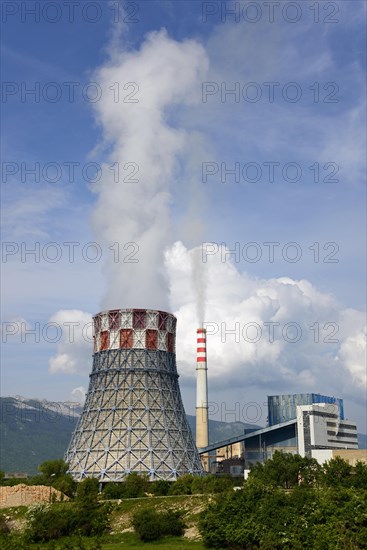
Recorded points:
(79, 394)
(261, 332)
(266, 331)
(76, 345)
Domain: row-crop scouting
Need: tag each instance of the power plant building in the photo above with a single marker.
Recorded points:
(282, 408)
(133, 418)
(310, 425)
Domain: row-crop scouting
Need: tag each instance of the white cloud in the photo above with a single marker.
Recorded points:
(79, 394)
(240, 303)
(247, 356)
(76, 346)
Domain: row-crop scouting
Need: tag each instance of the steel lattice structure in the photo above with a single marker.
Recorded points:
(133, 418)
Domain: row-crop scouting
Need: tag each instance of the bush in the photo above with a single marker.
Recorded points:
(47, 522)
(183, 486)
(161, 487)
(86, 516)
(152, 525)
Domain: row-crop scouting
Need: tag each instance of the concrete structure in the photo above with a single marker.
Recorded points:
(202, 421)
(350, 455)
(133, 418)
(320, 427)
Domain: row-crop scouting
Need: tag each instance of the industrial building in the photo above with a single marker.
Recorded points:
(310, 423)
(133, 418)
(282, 408)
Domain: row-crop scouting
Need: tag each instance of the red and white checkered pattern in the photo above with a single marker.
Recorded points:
(134, 329)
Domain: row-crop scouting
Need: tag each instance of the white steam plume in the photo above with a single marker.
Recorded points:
(164, 75)
(199, 279)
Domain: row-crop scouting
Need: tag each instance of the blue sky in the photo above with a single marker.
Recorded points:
(169, 54)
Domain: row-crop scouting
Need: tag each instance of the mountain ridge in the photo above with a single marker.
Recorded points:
(34, 430)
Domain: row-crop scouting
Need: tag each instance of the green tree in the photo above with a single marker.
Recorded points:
(85, 516)
(134, 485)
(337, 471)
(359, 477)
(268, 517)
(87, 492)
(53, 468)
(286, 470)
(54, 472)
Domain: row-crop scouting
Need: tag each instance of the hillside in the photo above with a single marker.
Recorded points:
(32, 431)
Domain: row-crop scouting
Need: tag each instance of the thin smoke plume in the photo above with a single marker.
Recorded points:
(199, 274)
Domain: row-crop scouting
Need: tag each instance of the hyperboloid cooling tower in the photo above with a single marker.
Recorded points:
(133, 418)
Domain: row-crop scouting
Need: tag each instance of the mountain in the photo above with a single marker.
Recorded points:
(33, 430)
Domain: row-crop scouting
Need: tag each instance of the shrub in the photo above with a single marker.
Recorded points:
(47, 522)
(183, 486)
(146, 525)
(86, 516)
(161, 487)
(133, 486)
(152, 525)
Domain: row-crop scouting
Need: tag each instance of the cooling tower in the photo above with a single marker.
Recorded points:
(133, 418)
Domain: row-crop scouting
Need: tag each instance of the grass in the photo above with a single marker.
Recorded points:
(122, 540)
(130, 540)
(14, 513)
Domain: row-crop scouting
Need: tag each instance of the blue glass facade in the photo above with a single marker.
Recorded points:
(282, 408)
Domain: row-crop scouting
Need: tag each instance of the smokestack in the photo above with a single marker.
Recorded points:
(202, 425)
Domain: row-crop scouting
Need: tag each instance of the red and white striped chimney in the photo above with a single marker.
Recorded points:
(202, 425)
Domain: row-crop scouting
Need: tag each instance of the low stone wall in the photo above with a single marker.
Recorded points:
(24, 495)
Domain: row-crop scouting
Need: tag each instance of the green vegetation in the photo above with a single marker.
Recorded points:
(288, 502)
(106, 542)
(292, 502)
(86, 516)
(152, 525)
(136, 486)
